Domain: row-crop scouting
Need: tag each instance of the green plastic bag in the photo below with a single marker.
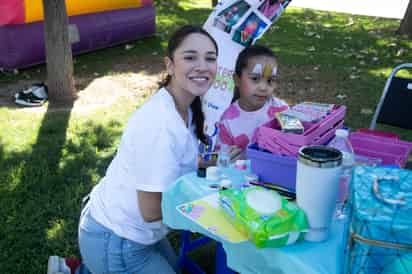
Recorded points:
(267, 218)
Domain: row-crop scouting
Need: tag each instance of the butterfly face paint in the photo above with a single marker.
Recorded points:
(266, 71)
(258, 69)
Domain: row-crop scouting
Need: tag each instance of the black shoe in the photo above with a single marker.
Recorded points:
(34, 96)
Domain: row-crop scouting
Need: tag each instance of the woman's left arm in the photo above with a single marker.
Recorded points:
(150, 204)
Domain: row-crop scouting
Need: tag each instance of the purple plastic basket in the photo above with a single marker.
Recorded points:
(271, 168)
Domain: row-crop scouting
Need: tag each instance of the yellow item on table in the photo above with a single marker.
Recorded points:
(206, 213)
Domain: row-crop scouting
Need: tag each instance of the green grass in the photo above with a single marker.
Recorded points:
(48, 161)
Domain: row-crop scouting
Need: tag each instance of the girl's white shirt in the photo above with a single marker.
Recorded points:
(156, 148)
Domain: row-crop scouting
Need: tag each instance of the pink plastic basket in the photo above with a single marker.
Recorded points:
(270, 137)
(392, 151)
(378, 133)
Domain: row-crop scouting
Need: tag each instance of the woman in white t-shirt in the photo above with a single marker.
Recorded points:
(121, 229)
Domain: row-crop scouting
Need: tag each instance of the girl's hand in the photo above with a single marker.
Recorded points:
(236, 153)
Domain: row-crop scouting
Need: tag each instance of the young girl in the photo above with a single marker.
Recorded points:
(121, 229)
(253, 103)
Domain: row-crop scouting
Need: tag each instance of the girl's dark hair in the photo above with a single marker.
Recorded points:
(174, 42)
(243, 59)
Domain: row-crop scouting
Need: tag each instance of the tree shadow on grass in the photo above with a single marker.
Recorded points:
(41, 191)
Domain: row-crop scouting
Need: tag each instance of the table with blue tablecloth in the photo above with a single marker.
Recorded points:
(303, 257)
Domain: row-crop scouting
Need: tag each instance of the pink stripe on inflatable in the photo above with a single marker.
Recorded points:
(11, 12)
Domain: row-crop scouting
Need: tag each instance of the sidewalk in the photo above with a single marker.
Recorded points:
(380, 8)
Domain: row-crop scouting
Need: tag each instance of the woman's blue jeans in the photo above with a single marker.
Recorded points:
(105, 252)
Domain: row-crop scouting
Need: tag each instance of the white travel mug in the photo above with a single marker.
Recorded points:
(317, 183)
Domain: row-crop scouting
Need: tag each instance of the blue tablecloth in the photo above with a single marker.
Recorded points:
(303, 257)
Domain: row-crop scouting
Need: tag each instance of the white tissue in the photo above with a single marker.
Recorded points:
(263, 201)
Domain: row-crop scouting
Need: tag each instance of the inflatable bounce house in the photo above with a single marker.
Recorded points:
(93, 24)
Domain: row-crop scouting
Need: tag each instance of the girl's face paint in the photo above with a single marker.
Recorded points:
(265, 70)
(269, 71)
(257, 82)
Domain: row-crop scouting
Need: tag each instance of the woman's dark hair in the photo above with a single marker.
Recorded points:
(174, 42)
(243, 59)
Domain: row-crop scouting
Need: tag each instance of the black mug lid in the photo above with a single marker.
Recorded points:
(320, 156)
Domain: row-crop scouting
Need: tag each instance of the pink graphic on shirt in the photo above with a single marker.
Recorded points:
(275, 109)
(225, 135)
(242, 141)
(231, 113)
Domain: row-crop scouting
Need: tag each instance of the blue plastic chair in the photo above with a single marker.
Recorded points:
(187, 245)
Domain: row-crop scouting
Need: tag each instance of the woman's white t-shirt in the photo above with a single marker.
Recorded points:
(156, 148)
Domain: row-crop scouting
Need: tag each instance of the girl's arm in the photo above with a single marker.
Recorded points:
(225, 137)
(150, 204)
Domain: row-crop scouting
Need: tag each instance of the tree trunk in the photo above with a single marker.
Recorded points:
(406, 23)
(59, 58)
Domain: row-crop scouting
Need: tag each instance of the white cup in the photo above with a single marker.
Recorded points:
(317, 183)
(212, 173)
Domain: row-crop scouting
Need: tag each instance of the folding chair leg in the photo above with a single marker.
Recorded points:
(187, 245)
(221, 262)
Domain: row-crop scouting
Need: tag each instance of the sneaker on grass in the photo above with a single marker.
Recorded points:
(34, 96)
(57, 265)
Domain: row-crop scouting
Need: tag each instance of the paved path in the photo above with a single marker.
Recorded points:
(380, 8)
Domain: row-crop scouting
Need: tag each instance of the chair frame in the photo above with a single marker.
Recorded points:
(385, 91)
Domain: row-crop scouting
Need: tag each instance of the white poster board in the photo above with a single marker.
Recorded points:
(234, 24)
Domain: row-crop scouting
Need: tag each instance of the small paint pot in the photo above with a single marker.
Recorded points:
(212, 173)
(225, 184)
